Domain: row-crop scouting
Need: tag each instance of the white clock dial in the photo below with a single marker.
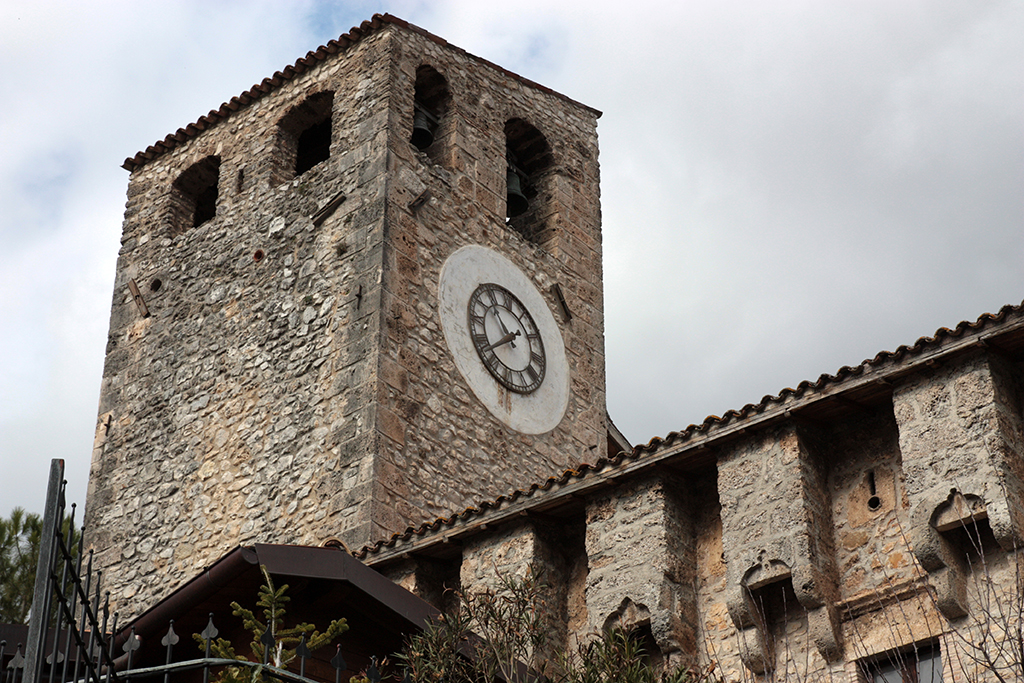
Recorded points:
(504, 339)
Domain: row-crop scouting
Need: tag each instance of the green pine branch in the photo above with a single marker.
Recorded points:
(286, 639)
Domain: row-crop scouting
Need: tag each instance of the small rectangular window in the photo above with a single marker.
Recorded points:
(918, 665)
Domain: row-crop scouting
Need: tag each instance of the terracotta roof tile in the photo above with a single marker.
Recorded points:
(267, 85)
(712, 422)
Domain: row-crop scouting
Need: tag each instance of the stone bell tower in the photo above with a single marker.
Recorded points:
(325, 323)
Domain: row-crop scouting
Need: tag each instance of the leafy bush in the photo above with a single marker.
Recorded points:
(503, 635)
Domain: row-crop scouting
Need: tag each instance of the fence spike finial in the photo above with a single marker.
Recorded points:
(338, 662)
(130, 646)
(18, 661)
(373, 674)
(267, 640)
(303, 654)
(208, 634)
(169, 641)
(171, 638)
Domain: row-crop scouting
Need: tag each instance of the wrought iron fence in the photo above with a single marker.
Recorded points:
(75, 604)
(72, 636)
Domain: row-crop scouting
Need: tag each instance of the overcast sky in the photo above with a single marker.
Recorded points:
(787, 187)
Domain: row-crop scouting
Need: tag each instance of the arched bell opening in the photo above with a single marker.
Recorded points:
(304, 136)
(430, 125)
(194, 195)
(528, 178)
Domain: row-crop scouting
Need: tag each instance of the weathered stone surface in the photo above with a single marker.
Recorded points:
(960, 435)
(553, 557)
(640, 546)
(292, 384)
(292, 380)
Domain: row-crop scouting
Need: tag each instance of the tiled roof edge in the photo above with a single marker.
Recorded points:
(267, 85)
(303, 64)
(501, 501)
(901, 354)
(844, 373)
(511, 74)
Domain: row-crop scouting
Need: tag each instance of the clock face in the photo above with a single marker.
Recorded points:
(506, 338)
(503, 339)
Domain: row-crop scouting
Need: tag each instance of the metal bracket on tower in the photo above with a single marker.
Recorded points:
(556, 289)
(137, 295)
(324, 212)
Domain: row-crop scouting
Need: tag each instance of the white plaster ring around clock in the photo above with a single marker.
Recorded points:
(537, 412)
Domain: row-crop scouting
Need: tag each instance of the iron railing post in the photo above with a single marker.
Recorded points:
(39, 617)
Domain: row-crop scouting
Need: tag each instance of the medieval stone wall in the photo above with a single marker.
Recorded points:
(271, 377)
(642, 563)
(801, 554)
(238, 408)
(440, 440)
(280, 379)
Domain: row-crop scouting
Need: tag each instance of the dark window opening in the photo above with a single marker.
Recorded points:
(194, 196)
(206, 206)
(528, 166)
(974, 539)
(917, 665)
(649, 649)
(430, 127)
(314, 146)
(962, 521)
(775, 603)
(772, 604)
(304, 138)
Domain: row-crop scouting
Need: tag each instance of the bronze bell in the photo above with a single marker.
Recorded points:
(422, 136)
(517, 202)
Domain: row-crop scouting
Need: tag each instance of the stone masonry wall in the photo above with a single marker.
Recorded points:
(640, 548)
(801, 492)
(1008, 392)
(948, 424)
(241, 408)
(553, 555)
(435, 581)
(869, 506)
(959, 435)
(776, 528)
(291, 383)
(443, 450)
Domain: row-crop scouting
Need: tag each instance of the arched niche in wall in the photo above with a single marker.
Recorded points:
(529, 182)
(634, 621)
(767, 603)
(773, 594)
(950, 539)
(304, 137)
(194, 193)
(432, 127)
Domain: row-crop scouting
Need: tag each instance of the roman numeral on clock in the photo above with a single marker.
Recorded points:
(498, 324)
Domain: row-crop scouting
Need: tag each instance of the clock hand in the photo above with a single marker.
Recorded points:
(501, 324)
(504, 340)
